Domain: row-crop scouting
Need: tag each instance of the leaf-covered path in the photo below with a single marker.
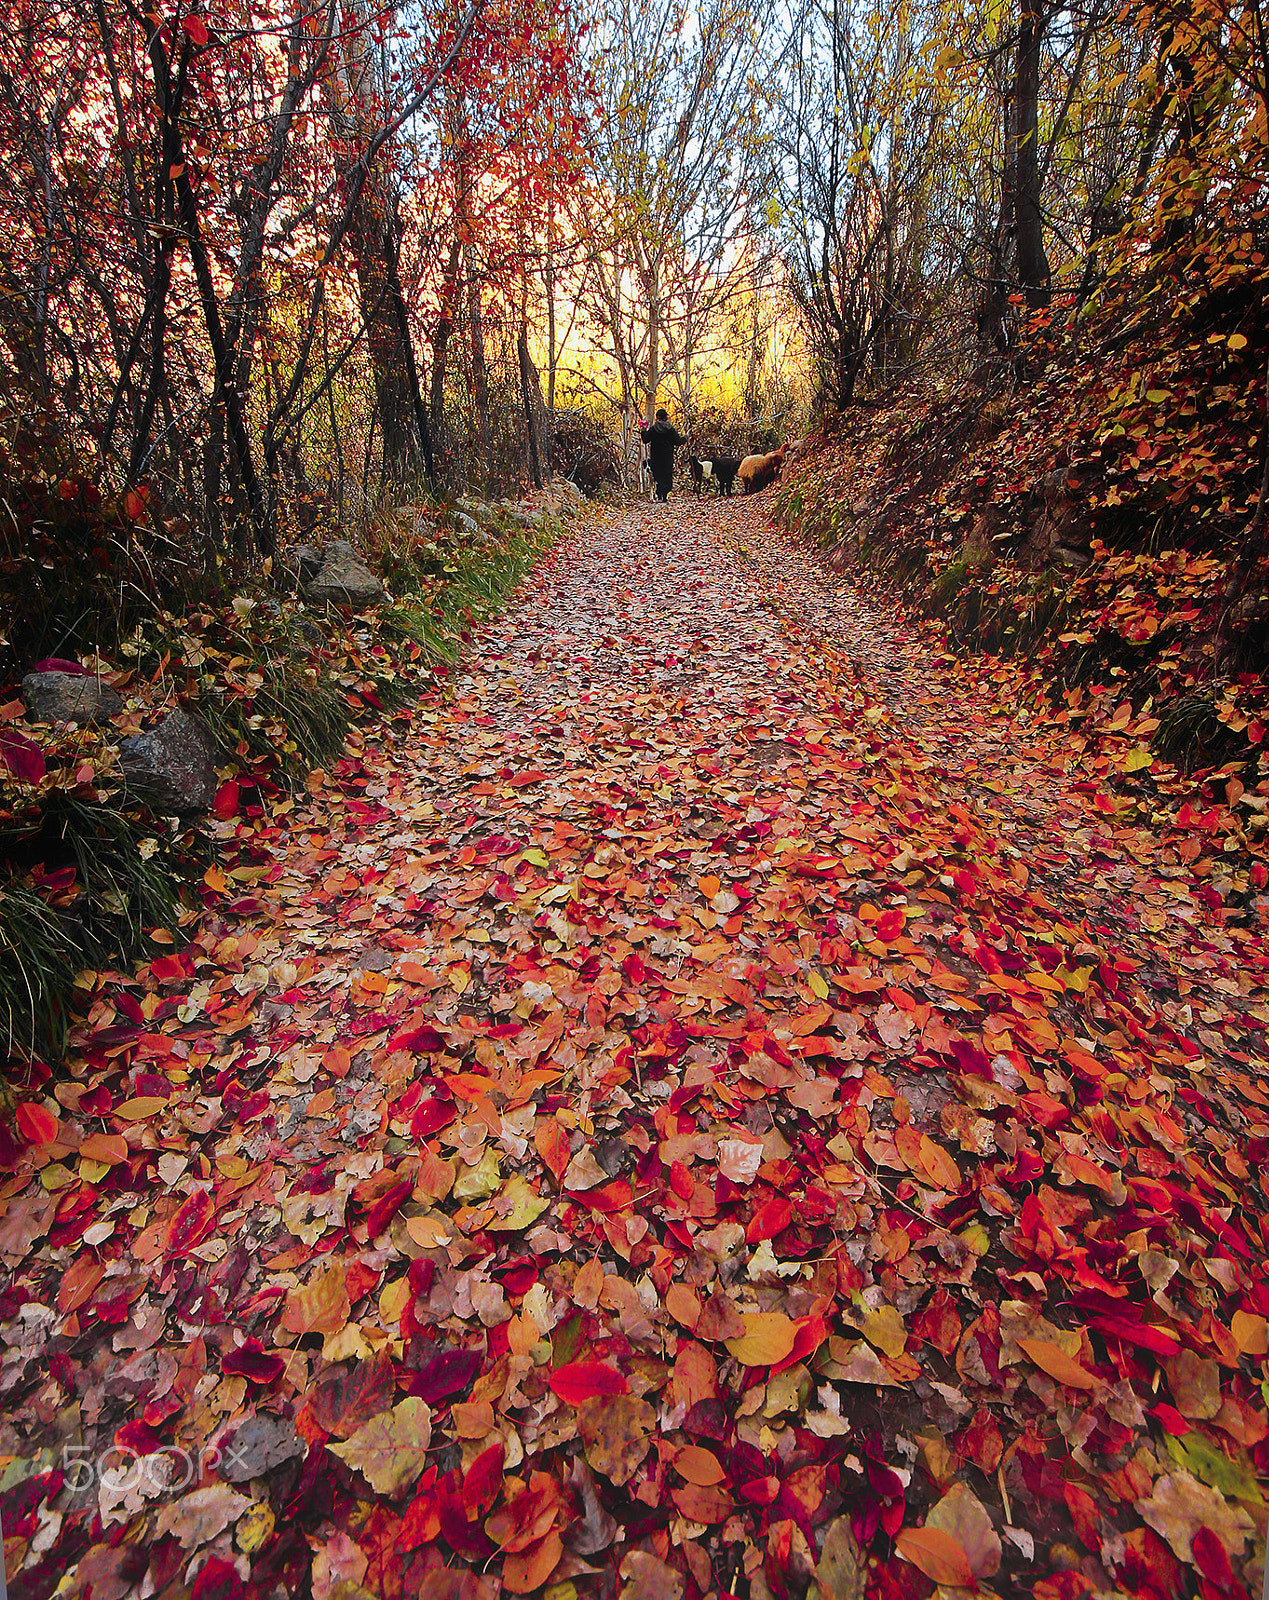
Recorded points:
(680, 1117)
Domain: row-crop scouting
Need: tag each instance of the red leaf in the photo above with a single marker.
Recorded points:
(482, 1481)
(250, 1361)
(1212, 1558)
(681, 1181)
(769, 1220)
(217, 1580)
(191, 1224)
(22, 756)
(36, 1123)
(196, 28)
(583, 1380)
(422, 1037)
(57, 664)
(225, 805)
(383, 1211)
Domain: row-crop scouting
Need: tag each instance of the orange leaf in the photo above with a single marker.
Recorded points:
(36, 1123)
(941, 1557)
(319, 1306)
(78, 1282)
(684, 1305)
(552, 1143)
(529, 1569)
(698, 1465)
(1051, 1358)
(703, 1502)
(943, 1171)
(527, 1519)
(106, 1148)
(768, 1338)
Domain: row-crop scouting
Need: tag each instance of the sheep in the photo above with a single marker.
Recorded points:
(756, 472)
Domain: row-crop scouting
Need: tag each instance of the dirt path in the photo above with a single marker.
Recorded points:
(675, 1101)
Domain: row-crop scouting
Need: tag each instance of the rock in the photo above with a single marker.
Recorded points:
(469, 526)
(69, 697)
(260, 1444)
(478, 512)
(568, 487)
(304, 560)
(345, 580)
(173, 764)
(305, 630)
(978, 547)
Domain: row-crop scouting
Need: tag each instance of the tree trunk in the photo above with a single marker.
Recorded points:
(1033, 263)
(754, 363)
(652, 290)
(471, 280)
(440, 339)
(528, 384)
(553, 360)
(372, 236)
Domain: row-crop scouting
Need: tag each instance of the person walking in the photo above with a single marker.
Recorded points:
(661, 437)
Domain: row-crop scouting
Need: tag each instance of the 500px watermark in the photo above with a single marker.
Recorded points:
(121, 1470)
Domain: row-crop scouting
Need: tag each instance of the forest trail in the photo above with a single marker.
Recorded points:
(682, 1096)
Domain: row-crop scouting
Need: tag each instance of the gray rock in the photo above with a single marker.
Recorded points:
(469, 526)
(173, 764)
(68, 697)
(568, 487)
(260, 1444)
(344, 579)
(305, 630)
(305, 560)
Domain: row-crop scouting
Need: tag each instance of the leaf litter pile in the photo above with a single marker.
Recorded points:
(641, 1126)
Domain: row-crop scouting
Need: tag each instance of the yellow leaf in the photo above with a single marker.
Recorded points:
(883, 1327)
(818, 986)
(392, 1301)
(1236, 341)
(255, 1526)
(536, 856)
(768, 1338)
(137, 1110)
(1051, 1358)
(517, 1206)
(390, 1451)
(941, 1557)
(1138, 759)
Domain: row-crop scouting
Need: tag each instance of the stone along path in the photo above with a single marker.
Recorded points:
(651, 1125)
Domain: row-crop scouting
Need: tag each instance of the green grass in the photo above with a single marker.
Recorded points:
(126, 872)
(36, 972)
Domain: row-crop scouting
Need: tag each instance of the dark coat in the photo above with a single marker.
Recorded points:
(661, 439)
